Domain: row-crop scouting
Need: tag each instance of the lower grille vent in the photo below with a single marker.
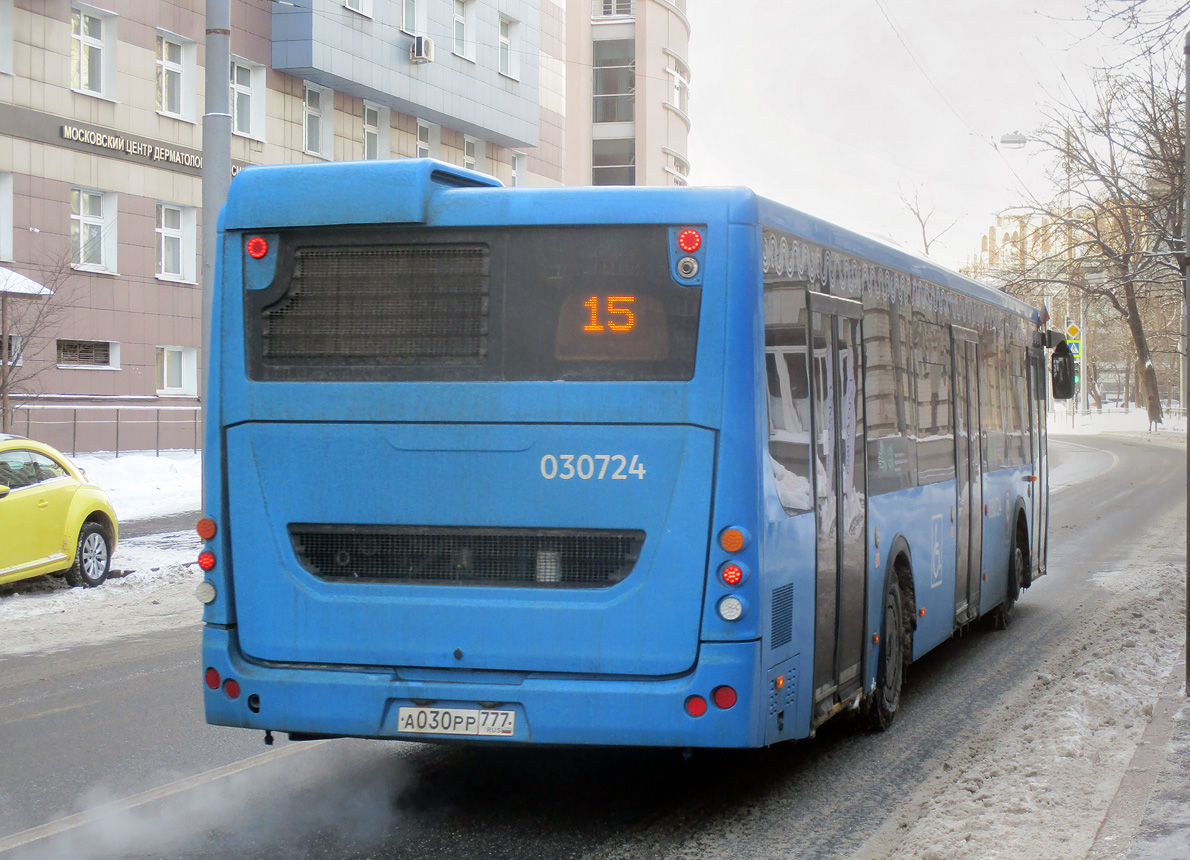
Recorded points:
(533, 558)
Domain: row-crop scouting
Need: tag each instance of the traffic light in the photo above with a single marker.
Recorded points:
(1076, 377)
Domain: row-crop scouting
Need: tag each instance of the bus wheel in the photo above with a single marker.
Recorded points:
(890, 669)
(1002, 614)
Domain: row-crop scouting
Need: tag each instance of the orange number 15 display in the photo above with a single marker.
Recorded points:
(617, 316)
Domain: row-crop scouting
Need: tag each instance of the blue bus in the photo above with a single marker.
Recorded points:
(612, 466)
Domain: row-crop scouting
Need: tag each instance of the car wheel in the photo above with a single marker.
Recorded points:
(92, 559)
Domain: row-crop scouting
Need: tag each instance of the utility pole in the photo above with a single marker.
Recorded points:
(216, 164)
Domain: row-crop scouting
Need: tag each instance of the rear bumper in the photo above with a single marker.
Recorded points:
(320, 700)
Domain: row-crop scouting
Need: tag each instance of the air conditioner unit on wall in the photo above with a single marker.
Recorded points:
(422, 50)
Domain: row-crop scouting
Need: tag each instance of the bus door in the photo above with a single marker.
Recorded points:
(840, 469)
(1041, 466)
(968, 474)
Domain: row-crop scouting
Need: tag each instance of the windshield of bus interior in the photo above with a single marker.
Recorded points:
(589, 303)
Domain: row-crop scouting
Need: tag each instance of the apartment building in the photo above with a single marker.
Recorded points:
(101, 156)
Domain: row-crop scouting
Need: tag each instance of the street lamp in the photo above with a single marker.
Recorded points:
(1013, 140)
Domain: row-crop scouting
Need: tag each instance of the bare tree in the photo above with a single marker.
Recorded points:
(32, 324)
(1150, 25)
(923, 219)
(1113, 233)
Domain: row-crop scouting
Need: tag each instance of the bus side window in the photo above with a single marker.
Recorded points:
(789, 419)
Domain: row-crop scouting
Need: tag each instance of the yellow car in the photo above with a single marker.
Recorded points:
(51, 519)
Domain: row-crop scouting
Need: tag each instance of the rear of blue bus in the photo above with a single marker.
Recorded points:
(471, 454)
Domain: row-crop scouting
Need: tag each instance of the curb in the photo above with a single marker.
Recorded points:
(1126, 814)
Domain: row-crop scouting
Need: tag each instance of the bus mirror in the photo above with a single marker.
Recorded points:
(1053, 338)
(1062, 372)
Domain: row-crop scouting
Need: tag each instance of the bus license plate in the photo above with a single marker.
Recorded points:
(456, 721)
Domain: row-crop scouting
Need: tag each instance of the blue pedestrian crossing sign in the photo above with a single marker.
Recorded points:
(1073, 339)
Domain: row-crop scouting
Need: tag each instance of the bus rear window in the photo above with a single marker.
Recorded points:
(592, 303)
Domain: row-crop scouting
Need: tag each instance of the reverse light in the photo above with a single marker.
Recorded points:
(206, 592)
(731, 609)
(206, 559)
(724, 697)
(206, 528)
(212, 678)
(232, 688)
(732, 574)
(257, 247)
(689, 241)
(696, 706)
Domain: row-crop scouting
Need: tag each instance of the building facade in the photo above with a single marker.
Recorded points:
(101, 156)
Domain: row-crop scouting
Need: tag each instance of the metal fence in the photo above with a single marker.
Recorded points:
(89, 428)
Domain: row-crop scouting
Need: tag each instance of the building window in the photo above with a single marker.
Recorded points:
(611, 8)
(506, 63)
(6, 36)
(6, 216)
(614, 80)
(247, 99)
(678, 167)
(92, 51)
(518, 170)
(177, 370)
(428, 136)
(613, 162)
(169, 76)
(462, 13)
(177, 229)
(680, 91)
(15, 344)
(320, 123)
(364, 7)
(93, 229)
(371, 132)
(471, 148)
(89, 353)
(409, 16)
(177, 63)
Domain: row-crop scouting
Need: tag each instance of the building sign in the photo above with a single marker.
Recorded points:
(139, 148)
(39, 127)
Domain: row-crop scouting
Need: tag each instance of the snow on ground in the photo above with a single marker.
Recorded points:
(1037, 779)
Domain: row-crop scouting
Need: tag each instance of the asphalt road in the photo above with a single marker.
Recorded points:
(118, 721)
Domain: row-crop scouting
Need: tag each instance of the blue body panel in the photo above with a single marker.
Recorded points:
(611, 665)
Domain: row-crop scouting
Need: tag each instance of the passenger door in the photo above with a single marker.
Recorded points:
(968, 474)
(840, 467)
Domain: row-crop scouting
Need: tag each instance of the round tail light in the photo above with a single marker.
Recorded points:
(206, 560)
(206, 528)
(212, 678)
(696, 706)
(232, 688)
(725, 697)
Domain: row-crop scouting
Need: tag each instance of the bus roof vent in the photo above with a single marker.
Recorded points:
(390, 191)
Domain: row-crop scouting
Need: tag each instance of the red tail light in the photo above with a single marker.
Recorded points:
(689, 241)
(212, 678)
(257, 247)
(206, 528)
(696, 706)
(206, 560)
(232, 688)
(725, 697)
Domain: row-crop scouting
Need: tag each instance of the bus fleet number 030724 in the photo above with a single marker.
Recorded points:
(587, 467)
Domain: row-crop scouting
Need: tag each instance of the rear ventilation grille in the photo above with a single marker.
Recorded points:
(381, 306)
(782, 633)
(532, 558)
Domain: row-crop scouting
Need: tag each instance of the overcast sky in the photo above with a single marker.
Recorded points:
(835, 109)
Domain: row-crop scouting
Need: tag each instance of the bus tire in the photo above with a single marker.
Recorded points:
(1002, 614)
(890, 666)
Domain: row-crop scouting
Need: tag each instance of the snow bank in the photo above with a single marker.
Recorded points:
(141, 485)
(1040, 774)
